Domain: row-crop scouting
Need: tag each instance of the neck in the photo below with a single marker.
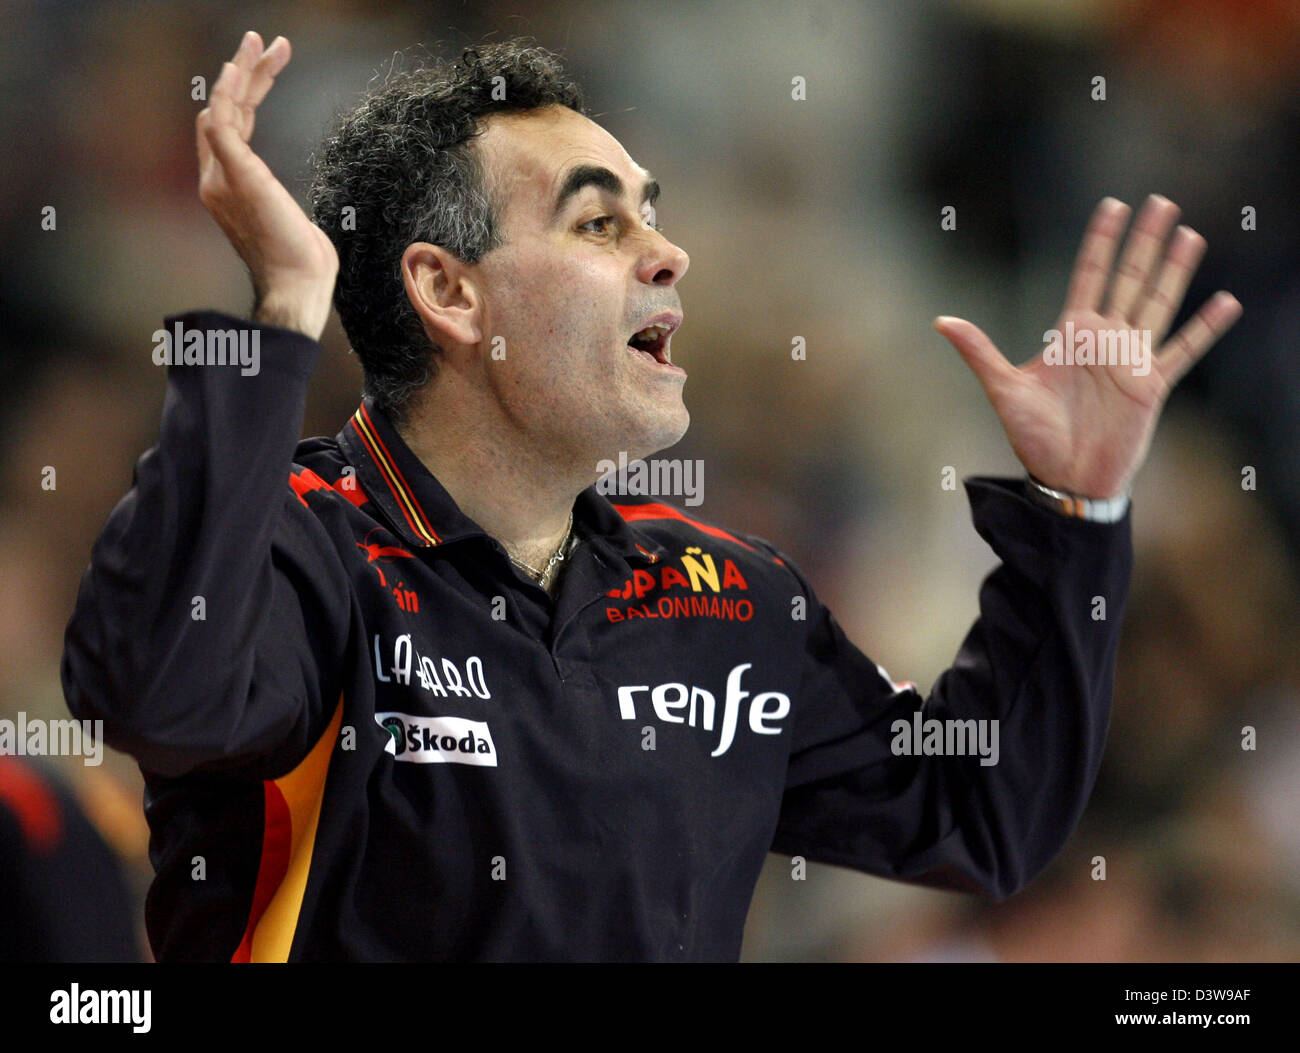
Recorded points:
(514, 489)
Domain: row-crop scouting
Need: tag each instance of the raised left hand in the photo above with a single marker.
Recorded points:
(1086, 428)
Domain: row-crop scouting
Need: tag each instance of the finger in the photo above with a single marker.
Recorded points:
(224, 134)
(201, 124)
(225, 90)
(236, 87)
(979, 352)
(229, 88)
(1197, 336)
(1141, 253)
(249, 51)
(1160, 302)
(1097, 250)
(268, 67)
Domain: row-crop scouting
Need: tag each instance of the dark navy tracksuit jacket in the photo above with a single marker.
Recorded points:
(366, 736)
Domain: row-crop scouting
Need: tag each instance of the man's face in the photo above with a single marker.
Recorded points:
(580, 271)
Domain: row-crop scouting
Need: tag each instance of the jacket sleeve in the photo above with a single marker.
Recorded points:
(1039, 661)
(210, 621)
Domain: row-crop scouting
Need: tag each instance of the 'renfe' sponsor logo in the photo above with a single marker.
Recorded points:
(679, 703)
(438, 740)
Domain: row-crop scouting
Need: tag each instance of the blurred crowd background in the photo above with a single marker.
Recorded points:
(817, 218)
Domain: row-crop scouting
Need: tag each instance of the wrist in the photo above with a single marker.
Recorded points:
(296, 313)
(1092, 509)
(300, 306)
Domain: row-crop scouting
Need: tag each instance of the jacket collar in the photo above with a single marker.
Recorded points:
(421, 511)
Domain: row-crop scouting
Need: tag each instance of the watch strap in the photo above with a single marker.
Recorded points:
(1095, 510)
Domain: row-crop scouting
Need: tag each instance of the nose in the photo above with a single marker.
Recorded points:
(664, 262)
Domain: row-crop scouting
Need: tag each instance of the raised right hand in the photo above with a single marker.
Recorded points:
(291, 261)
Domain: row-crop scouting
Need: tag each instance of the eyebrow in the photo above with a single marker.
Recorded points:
(598, 176)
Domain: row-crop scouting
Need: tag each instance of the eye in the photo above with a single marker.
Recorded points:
(604, 221)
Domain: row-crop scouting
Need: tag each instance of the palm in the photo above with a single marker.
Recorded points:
(273, 232)
(1079, 423)
(1086, 428)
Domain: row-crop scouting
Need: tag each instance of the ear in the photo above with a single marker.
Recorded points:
(443, 292)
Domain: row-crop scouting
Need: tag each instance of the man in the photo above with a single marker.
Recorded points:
(421, 692)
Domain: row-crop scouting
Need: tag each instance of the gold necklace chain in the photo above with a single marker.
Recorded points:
(542, 577)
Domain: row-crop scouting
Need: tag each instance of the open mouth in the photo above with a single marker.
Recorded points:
(652, 342)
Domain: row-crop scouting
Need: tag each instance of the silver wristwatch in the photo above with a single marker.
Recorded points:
(1096, 510)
